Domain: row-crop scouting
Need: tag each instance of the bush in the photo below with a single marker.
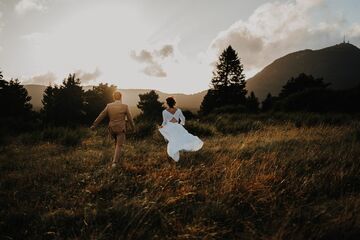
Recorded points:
(143, 130)
(312, 119)
(53, 134)
(71, 138)
(189, 115)
(226, 126)
(230, 109)
(200, 129)
(65, 136)
(31, 138)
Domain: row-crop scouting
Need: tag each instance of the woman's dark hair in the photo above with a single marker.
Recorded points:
(170, 101)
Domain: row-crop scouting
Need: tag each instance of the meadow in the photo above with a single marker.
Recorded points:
(257, 177)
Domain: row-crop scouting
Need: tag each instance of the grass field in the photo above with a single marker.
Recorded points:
(277, 180)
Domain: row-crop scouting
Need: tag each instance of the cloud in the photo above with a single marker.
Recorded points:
(35, 37)
(354, 31)
(24, 6)
(309, 3)
(278, 28)
(152, 60)
(143, 57)
(86, 77)
(165, 51)
(42, 79)
(154, 70)
(1, 23)
(1, 27)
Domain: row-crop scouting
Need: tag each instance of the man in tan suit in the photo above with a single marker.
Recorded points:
(118, 113)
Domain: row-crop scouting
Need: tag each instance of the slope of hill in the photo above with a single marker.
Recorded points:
(276, 181)
(130, 96)
(338, 65)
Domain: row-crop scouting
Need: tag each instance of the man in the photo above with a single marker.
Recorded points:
(118, 113)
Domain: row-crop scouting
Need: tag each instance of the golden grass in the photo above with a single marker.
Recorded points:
(280, 182)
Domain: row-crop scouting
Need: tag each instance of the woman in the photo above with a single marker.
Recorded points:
(175, 134)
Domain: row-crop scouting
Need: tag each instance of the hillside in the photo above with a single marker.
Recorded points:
(339, 65)
(130, 96)
(275, 181)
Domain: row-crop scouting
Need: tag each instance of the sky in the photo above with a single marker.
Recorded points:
(161, 44)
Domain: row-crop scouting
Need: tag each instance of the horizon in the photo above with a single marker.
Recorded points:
(123, 89)
(160, 51)
(179, 93)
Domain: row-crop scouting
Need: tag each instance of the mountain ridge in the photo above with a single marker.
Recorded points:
(130, 96)
(338, 65)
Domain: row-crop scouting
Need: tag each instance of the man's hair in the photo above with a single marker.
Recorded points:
(117, 95)
(170, 101)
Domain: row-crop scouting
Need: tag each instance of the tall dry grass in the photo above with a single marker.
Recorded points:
(276, 181)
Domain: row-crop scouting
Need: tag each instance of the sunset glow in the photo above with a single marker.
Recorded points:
(157, 44)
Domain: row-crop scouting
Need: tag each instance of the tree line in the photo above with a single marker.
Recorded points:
(68, 104)
(302, 93)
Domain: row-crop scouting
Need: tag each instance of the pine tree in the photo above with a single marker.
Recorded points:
(228, 83)
(96, 100)
(301, 83)
(64, 105)
(14, 99)
(50, 104)
(150, 106)
(209, 102)
(268, 103)
(252, 103)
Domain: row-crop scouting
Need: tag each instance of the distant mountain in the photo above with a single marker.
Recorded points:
(338, 65)
(130, 96)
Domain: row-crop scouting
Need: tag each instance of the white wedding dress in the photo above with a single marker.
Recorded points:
(178, 138)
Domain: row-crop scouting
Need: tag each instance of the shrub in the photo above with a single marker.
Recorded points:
(200, 129)
(143, 130)
(188, 114)
(235, 127)
(52, 134)
(354, 135)
(31, 138)
(230, 109)
(65, 136)
(71, 138)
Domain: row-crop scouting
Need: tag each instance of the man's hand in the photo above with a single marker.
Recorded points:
(92, 127)
(160, 126)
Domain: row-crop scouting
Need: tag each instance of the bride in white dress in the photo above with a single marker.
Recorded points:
(172, 129)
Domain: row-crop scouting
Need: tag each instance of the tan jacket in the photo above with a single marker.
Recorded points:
(118, 113)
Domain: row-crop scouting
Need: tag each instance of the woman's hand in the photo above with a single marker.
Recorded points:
(160, 126)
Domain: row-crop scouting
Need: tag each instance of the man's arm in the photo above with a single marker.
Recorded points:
(101, 116)
(129, 118)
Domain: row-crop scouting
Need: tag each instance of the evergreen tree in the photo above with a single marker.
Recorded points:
(150, 106)
(210, 101)
(96, 100)
(252, 103)
(228, 83)
(301, 83)
(2, 81)
(14, 99)
(50, 104)
(268, 103)
(64, 105)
